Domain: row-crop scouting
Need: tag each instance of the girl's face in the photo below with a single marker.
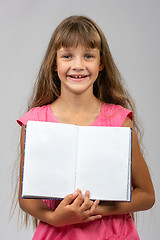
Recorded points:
(78, 68)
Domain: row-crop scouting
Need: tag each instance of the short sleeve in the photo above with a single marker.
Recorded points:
(121, 114)
(43, 113)
(114, 115)
(30, 115)
(127, 113)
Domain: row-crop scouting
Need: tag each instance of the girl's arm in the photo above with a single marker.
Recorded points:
(73, 209)
(143, 196)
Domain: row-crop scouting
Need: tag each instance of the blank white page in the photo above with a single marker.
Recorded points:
(49, 163)
(102, 165)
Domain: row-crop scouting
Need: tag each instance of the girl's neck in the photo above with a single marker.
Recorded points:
(76, 104)
(81, 110)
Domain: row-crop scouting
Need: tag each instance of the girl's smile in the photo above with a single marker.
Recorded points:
(78, 68)
(77, 78)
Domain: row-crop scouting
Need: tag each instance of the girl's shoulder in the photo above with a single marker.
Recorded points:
(34, 114)
(114, 115)
(111, 109)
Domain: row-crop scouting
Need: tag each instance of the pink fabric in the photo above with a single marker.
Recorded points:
(110, 227)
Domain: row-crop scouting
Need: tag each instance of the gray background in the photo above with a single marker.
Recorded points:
(133, 32)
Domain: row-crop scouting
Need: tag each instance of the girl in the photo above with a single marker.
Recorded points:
(78, 83)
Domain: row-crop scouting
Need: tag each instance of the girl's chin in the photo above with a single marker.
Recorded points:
(76, 87)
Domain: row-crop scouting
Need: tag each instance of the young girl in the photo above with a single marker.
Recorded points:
(78, 83)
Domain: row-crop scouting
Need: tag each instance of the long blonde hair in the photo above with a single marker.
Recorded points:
(109, 86)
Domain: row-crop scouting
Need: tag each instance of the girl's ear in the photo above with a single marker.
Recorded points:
(101, 66)
(55, 67)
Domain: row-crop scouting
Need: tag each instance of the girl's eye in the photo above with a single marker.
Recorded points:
(88, 56)
(66, 56)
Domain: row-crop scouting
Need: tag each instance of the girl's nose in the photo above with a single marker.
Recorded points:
(78, 64)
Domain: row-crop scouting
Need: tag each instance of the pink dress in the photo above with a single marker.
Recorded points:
(110, 227)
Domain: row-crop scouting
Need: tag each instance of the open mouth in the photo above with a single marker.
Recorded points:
(77, 77)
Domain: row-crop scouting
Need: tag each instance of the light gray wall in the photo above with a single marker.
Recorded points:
(133, 32)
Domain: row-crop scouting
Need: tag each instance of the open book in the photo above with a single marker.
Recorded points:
(59, 158)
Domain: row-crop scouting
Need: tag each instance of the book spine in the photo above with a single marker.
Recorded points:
(131, 169)
(129, 188)
(23, 159)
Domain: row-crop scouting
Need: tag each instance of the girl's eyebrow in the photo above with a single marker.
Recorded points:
(64, 49)
(91, 50)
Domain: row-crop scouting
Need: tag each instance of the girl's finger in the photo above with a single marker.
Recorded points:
(79, 199)
(69, 198)
(92, 218)
(87, 202)
(90, 212)
(94, 205)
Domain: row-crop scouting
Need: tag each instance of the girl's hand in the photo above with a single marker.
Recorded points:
(75, 209)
